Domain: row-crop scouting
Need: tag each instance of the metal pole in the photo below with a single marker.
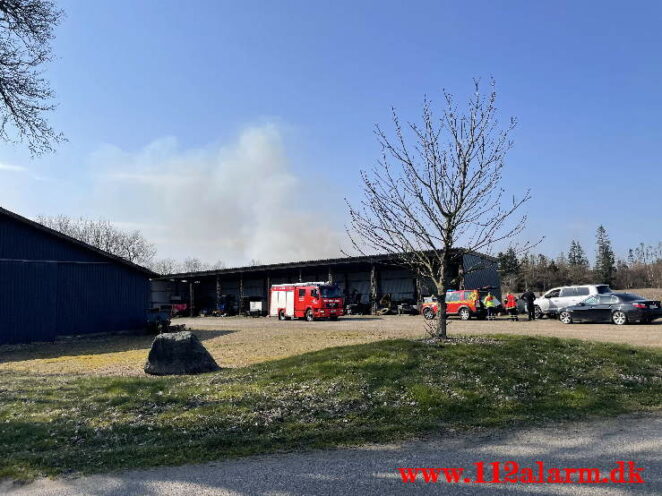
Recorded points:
(218, 293)
(191, 298)
(268, 294)
(241, 290)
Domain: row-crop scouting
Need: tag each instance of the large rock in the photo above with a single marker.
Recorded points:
(179, 353)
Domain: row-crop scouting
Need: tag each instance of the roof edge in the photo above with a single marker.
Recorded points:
(287, 265)
(77, 242)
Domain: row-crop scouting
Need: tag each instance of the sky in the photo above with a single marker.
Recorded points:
(235, 131)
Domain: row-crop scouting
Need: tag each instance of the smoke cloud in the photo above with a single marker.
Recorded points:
(234, 203)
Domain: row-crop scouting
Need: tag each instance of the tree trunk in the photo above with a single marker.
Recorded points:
(441, 323)
(442, 286)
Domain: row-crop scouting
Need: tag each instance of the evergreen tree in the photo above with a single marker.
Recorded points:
(572, 257)
(576, 255)
(508, 263)
(605, 260)
(509, 268)
(578, 266)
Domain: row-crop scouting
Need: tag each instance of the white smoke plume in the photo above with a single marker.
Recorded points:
(233, 203)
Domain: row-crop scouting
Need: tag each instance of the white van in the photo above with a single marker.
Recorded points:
(557, 298)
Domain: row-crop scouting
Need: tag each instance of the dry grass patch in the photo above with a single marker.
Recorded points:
(233, 342)
(650, 293)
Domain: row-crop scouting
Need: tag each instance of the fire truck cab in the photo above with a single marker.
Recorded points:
(309, 300)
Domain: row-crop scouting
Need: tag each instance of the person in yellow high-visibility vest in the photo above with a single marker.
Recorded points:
(474, 298)
(490, 305)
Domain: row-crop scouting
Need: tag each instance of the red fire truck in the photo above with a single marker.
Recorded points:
(309, 300)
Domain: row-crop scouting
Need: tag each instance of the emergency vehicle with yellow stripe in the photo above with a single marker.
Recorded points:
(464, 303)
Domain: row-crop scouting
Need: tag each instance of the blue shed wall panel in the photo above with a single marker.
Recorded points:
(480, 272)
(50, 287)
(99, 298)
(27, 302)
(24, 242)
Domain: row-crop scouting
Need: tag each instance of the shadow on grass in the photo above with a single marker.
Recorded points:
(90, 345)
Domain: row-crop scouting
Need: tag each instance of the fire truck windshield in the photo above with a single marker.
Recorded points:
(330, 292)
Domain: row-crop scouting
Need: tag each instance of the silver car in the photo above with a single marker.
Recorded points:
(557, 298)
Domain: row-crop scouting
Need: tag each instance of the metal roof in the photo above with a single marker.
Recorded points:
(74, 241)
(382, 258)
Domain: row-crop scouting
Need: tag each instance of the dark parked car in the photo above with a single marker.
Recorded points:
(619, 308)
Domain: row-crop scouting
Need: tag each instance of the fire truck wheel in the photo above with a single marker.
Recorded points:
(428, 313)
(465, 314)
(333, 317)
(281, 315)
(309, 315)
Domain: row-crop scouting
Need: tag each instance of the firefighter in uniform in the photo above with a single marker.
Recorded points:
(511, 306)
(474, 298)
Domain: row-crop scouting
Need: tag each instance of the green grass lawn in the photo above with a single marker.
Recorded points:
(380, 391)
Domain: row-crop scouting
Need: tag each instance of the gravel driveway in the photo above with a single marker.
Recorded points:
(241, 341)
(370, 470)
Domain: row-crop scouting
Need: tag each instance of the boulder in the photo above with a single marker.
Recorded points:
(179, 353)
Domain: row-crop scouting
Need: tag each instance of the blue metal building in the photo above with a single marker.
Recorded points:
(52, 284)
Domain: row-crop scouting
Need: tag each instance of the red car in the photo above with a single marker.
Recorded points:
(459, 303)
(179, 309)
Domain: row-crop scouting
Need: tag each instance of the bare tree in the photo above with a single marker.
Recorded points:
(26, 30)
(165, 266)
(102, 234)
(193, 264)
(436, 193)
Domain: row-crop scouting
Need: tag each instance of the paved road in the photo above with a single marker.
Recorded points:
(370, 470)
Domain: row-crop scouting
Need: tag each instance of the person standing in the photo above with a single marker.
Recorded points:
(490, 306)
(529, 297)
(474, 298)
(511, 306)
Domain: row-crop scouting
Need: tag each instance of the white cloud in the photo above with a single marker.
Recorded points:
(21, 170)
(235, 203)
(12, 168)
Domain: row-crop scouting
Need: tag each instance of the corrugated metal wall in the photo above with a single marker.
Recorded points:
(27, 301)
(50, 287)
(481, 272)
(398, 283)
(359, 281)
(254, 287)
(99, 298)
(162, 292)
